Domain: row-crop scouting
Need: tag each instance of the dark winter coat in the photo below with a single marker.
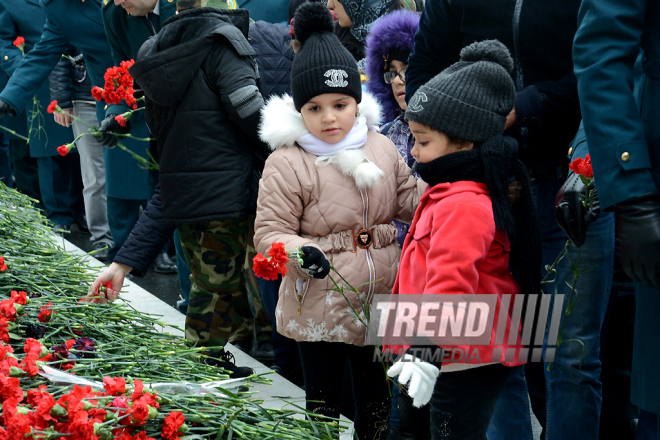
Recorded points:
(539, 35)
(274, 55)
(394, 30)
(147, 238)
(68, 84)
(623, 130)
(203, 107)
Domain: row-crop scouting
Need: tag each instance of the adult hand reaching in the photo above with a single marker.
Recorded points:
(115, 273)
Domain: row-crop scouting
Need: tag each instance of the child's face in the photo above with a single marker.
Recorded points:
(342, 16)
(431, 144)
(399, 86)
(330, 117)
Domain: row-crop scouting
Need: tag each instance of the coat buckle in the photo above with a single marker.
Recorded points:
(363, 239)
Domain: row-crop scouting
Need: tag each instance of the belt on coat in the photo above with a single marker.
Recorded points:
(349, 240)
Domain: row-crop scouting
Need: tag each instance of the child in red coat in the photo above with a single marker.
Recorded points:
(466, 235)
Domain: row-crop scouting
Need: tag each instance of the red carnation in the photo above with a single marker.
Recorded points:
(4, 329)
(8, 309)
(267, 268)
(582, 167)
(97, 93)
(63, 150)
(173, 421)
(52, 107)
(121, 120)
(19, 297)
(140, 411)
(138, 390)
(19, 41)
(114, 386)
(32, 346)
(45, 312)
(278, 253)
(29, 364)
(3, 266)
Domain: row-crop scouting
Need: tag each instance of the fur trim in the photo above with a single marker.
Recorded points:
(281, 124)
(355, 164)
(396, 29)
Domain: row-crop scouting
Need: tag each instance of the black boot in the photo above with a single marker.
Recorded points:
(227, 362)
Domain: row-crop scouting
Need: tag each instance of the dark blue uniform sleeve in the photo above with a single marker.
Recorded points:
(35, 67)
(148, 237)
(606, 46)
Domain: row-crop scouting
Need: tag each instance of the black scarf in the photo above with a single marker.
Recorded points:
(496, 164)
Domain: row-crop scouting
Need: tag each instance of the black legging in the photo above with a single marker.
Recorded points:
(323, 366)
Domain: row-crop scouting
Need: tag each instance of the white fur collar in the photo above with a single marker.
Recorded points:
(282, 125)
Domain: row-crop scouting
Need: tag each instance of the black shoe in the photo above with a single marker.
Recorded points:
(264, 352)
(227, 362)
(101, 249)
(163, 264)
(81, 223)
(245, 345)
(60, 229)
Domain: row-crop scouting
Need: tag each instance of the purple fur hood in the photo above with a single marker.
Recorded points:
(396, 29)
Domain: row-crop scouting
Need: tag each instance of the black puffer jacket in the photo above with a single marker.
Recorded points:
(68, 84)
(539, 35)
(203, 106)
(274, 54)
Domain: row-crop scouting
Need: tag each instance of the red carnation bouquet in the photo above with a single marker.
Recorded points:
(118, 86)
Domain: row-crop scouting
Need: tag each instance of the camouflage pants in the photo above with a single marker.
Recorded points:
(222, 283)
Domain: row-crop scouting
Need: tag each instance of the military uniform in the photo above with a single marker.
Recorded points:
(80, 24)
(59, 178)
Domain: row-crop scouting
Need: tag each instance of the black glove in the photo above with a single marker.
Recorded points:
(78, 62)
(108, 126)
(572, 216)
(5, 109)
(638, 226)
(314, 262)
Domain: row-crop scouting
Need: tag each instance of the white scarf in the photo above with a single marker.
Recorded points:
(347, 155)
(356, 138)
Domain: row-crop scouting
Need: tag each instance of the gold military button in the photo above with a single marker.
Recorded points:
(6, 57)
(625, 156)
(570, 151)
(105, 108)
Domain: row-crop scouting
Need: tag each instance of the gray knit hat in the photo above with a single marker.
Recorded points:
(322, 65)
(470, 99)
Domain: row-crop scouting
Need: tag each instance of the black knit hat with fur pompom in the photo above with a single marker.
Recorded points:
(322, 65)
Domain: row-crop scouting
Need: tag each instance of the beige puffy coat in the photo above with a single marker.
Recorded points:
(301, 203)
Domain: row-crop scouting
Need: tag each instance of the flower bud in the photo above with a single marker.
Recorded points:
(153, 413)
(184, 428)
(58, 411)
(15, 372)
(22, 410)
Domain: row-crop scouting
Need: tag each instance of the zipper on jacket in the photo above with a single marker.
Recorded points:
(301, 298)
(370, 262)
(246, 101)
(518, 76)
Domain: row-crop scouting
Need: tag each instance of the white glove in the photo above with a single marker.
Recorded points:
(422, 376)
